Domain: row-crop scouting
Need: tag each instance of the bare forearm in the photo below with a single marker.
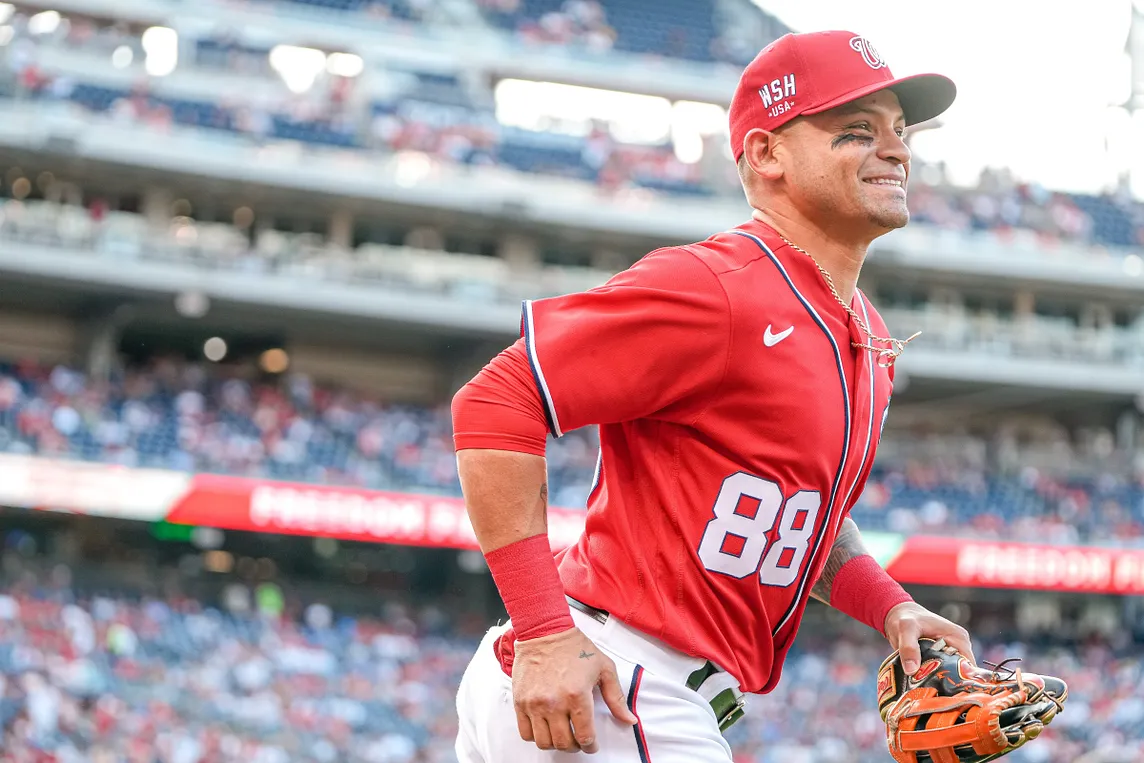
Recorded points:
(506, 495)
(847, 545)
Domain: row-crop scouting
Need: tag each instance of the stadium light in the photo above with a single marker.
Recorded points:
(44, 23)
(571, 109)
(243, 218)
(1133, 265)
(345, 64)
(214, 349)
(691, 121)
(411, 168)
(192, 304)
(472, 562)
(297, 66)
(6, 35)
(6, 11)
(274, 361)
(162, 47)
(218, 561)
(703, 118)
(688, 146)
(207, 538)
(122, 57)
(327, 548)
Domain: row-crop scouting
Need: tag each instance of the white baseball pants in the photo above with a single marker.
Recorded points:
(676, 724)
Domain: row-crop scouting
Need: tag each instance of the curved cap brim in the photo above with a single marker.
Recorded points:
(922, 96)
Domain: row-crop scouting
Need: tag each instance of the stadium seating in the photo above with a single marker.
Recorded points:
(407, 10)
(170, 416)
(228, 55)
(454, 124)
(672, 28)
(545, 154)
(99, 675)
(211, 116)
(443, 109)
(1114, 223)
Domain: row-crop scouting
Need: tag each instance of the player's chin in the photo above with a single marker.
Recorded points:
(890, 217)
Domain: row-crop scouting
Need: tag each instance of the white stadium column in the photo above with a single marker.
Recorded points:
(341, 228)
(156, 206)
(519, 250)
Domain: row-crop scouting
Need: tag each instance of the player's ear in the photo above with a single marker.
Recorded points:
(759, 154)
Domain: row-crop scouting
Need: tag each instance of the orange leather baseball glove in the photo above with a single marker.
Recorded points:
(951, 711)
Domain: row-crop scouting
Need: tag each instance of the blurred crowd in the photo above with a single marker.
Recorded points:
(105, 679)
(1002, 204)
(110, 677)
(222, 419)
(580, 23)
(1032, 505)
(450, 120)
(823, 709)
(182, 416)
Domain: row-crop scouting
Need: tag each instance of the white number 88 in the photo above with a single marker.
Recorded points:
(734, 544)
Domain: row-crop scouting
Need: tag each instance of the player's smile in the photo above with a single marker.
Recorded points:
(889, 183)
(894, 187)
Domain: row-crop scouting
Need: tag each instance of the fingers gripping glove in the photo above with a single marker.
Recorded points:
(951, 711)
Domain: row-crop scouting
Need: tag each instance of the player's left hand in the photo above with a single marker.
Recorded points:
(909, 621)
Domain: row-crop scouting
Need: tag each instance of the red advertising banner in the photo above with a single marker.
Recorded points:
(994, 564)
(374, 516)
(235, 503)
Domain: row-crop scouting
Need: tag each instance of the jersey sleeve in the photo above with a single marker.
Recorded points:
(500, 408)
(654, 340)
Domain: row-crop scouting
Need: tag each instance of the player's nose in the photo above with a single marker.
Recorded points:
(892, 148)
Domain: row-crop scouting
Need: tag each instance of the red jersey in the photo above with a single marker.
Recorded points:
(737, 428)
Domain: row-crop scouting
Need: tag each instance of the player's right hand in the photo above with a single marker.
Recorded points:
(552, 682)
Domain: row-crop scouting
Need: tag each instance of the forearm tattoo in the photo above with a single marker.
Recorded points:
(544, 504)
(846, 546)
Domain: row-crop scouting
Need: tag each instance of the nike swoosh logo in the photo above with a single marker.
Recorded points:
(770, 340)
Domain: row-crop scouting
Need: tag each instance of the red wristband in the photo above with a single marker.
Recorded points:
(529, 584)
(863, 590)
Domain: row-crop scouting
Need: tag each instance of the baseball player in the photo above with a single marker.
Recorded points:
(740, 385)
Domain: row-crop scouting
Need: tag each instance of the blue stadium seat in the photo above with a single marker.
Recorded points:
(671, 28)
(334, 5)
(311, 132)
(1111, 224)
(95, 97)
(544, 153)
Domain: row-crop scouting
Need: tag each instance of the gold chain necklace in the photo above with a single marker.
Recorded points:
(886, 355)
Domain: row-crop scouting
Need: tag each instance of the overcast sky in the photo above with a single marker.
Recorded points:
(1035, 84)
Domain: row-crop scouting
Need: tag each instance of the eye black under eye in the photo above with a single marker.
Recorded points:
(850, 136)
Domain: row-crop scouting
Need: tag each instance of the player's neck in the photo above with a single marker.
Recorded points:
(840, 258)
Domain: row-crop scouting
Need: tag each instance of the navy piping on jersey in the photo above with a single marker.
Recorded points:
(527, 328)
(846, 414)
(870, 427)
(599, 469)
(633, 691)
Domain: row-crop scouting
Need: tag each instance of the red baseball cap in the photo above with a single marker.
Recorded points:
(810, 73)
